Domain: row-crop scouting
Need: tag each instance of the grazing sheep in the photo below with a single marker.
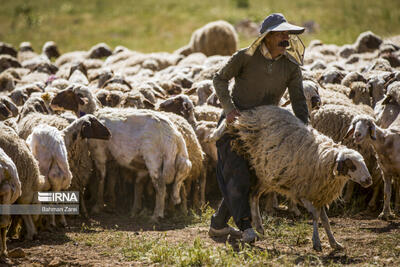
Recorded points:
(297, 161)
(10, 191)
(149, 139)
(386, 143)
(7, 82)
(215, 38)
(28, 172)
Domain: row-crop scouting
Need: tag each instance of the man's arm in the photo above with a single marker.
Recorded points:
(222, 78)
(296, 95)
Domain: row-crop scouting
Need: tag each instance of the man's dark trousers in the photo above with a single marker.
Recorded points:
(234, 179)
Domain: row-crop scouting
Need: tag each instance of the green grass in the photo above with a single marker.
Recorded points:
(153, 25)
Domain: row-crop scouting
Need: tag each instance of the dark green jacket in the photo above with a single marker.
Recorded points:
(260, 81)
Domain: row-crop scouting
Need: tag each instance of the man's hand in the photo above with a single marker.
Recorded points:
(231, 116)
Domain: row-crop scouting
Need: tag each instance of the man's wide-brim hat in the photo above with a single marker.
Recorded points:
(275, 22)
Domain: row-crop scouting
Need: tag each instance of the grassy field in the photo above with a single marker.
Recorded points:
(153, 25)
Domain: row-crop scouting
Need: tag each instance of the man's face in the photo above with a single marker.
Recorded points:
(277, 41)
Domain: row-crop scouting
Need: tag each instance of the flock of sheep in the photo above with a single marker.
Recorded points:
(89, 119)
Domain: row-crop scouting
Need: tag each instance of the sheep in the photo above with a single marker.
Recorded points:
(28, 172)
(215, 38)
(75, 135)
(7, 61)
(385, 142)
(387, 109)
(367, 42)
(197, 175)
(333, 121)
(297, 161)
(149, 138)
(207, 113)
(50, 49)
(7, 108)
(48, 146)
(359, 93)
(10, 191)
(100, 50)
(7, 49)
(7, 82)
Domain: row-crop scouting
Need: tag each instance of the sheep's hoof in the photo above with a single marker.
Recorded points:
(155, 219)
(317, 247)
(176, 201)
(337, 246)
(387, 216)
(260, 230)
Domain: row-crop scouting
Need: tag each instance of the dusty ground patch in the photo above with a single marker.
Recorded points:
(116, 240)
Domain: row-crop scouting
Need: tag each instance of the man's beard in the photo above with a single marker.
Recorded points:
(284, 43)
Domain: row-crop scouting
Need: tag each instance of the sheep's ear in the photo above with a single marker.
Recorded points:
(352, 94)
(4, 111)
(340, 168)
(95, 129)
(148, 104)
(350, 132)
(386, 100)
(372, 131)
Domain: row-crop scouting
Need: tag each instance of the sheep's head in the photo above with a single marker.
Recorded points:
(68, 99)
(361, 128)
(180, 105)
(350, 163)
(5, 112)
(50, 49)
(91, 127)
(311, 94)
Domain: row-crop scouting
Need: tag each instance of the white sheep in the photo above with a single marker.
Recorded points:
(10, 191)
(388, 109)
(386, 143)
(297, 161)
(140, 139)
(48, 146)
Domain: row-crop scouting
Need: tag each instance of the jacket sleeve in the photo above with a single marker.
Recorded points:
(222, 78)
(296, 94)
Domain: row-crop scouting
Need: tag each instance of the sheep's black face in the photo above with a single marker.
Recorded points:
(67, 100)
(4, 112)
(92, 128)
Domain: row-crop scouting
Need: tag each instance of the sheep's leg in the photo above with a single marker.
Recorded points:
(374, 198)
(83, 204)
(325, 222)
(316, 214)
(138, 194)
(184, 197)
(100, 190)
(387, 213)
(349, 191)
(203, 181)
(397, 195)
(293, 208)
(160, 188)
(271, 202)
(3, 241)
(99, 155)
(181, 171)
(255, 211)
(30, 227)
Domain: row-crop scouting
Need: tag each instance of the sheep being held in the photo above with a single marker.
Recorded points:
(297, 161)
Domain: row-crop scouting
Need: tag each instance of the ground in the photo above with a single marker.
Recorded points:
(117, 240)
